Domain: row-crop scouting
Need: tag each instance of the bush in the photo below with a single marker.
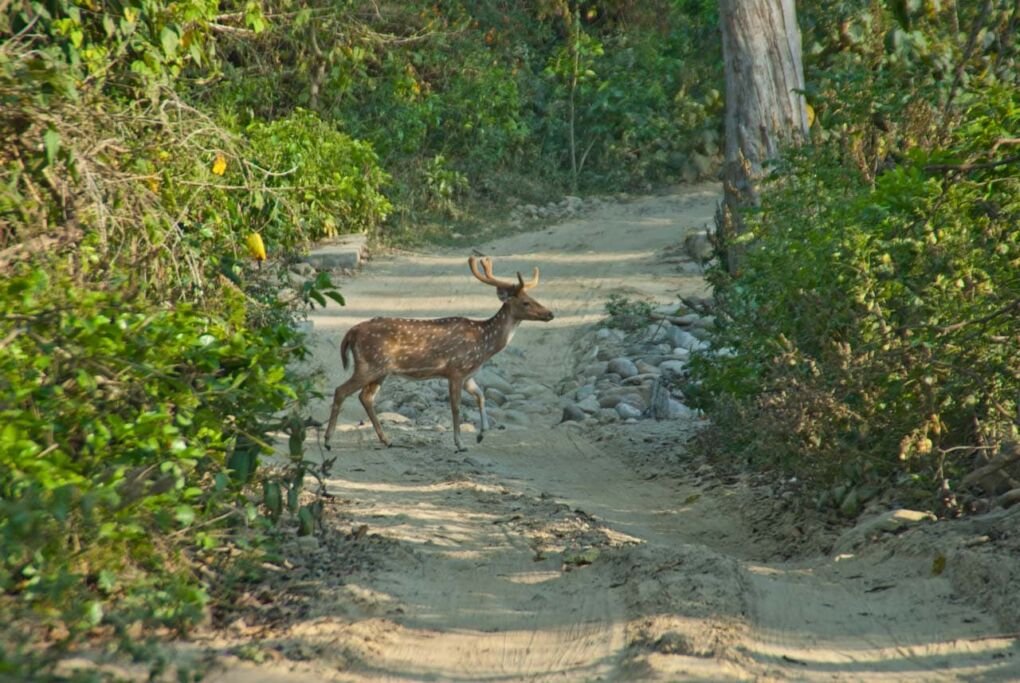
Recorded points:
(118, 420)
(334, 182)
(874, 329)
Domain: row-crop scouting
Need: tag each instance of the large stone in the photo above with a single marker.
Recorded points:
(679, 411)
(584, 392)
(622, 366)
(589, 405)
(646, 368)
(611, 400)
(673, 366)
(348, 251)
(869, 529)
(627, 411)
(571, 413)
(487, 377)
(495, 395)
(683, 339)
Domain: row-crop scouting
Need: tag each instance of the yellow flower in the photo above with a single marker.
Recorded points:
(255, 247)
(219, 166)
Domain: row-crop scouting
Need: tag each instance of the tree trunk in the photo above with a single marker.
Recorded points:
(764, 108)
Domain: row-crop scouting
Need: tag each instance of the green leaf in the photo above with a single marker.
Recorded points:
(306, 521)
(184, 514)
(169, 39)
(51, 143)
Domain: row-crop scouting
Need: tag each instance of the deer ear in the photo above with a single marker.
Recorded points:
(504, 294)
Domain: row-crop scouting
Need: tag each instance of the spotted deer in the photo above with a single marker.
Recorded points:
(454, 348)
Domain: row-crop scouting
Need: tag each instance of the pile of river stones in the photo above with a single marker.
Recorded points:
(637, 375)
(618, 377)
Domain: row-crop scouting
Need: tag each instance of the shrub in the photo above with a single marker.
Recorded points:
(334, 181)
(118, 418)
(874, 329)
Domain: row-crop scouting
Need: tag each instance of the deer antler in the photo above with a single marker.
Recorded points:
(489, 279)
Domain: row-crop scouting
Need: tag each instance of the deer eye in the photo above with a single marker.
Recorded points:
(526, 303)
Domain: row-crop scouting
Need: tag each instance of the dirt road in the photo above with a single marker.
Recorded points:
(562, 552)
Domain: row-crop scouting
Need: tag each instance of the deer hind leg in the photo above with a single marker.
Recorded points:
(356, 381)
(456, 386)
(367, 397)
(472, 388)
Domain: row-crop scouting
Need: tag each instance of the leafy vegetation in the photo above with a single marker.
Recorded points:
(873, 328)
(472, 102)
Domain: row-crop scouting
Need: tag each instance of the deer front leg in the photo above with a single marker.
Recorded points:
(367, 397)
(456, 385)
(472, 388)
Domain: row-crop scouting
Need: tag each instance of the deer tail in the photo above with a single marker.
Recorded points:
(345, 348)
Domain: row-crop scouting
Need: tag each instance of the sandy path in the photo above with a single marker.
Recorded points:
(545, 553)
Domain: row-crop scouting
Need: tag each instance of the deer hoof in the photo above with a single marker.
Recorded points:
(479, 437)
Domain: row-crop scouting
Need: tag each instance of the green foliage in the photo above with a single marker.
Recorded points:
(119, 421)
(487, 88)
(334, 181)
(873, 331)
(627, 315)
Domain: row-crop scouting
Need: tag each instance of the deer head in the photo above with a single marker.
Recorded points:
(512, 294)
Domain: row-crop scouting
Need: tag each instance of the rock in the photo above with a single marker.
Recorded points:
(408, 411)
(394, 418)
(681, 352)
(658, 332)
(595, 369)
(536, 390)
(607, 415)
(603, 333)
(584, 392)
(302, 268)
(487, 377)
(675, 367)
(678, 411)
(571, 413)
(627, 411)
(886, 522)
(609, 400)
(683, 339)
(345, 252)
(687, 319)
(646, 368)
(495, 395)
(589, 405)
(643, 378)
(622, 366)
(701, 334)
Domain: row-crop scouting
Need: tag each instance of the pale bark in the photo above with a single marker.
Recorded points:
(765, 109)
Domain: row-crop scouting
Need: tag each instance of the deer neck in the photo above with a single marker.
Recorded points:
(502, 326)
